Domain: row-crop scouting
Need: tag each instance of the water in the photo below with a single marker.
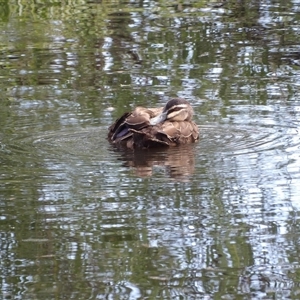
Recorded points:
(218, 219)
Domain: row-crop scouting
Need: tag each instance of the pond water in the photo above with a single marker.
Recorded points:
(218, 219)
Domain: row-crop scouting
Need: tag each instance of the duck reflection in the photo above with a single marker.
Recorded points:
(176, 162)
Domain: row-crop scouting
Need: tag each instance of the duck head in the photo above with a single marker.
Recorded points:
(176, 109)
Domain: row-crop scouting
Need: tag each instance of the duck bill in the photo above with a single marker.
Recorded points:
(158, 119)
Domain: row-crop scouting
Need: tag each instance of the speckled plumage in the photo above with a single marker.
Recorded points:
(153, 127)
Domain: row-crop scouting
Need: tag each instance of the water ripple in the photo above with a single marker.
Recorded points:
(242, 140)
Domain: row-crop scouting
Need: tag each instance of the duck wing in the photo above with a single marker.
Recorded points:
(136, 121)
(118, 129)
(166, 134)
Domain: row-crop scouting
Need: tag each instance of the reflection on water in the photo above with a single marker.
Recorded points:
(218, 219)
(175, 162)
(86, 208)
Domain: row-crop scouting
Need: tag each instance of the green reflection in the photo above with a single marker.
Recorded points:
(4, 11)
(80, 220)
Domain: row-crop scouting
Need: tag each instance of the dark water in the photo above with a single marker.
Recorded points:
(218, 219)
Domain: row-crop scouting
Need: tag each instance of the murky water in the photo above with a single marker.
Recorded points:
(218, 219)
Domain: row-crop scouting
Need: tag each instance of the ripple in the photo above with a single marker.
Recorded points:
(247, 139)
(228, 139)
(89, 149)
(86, 142)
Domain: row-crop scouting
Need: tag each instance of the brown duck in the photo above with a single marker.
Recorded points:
(153, 127)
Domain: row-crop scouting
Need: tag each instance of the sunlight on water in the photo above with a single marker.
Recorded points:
(217, 219)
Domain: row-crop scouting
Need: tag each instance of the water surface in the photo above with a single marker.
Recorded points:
(218, 219)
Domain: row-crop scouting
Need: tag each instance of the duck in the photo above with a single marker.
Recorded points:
(145, 128)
